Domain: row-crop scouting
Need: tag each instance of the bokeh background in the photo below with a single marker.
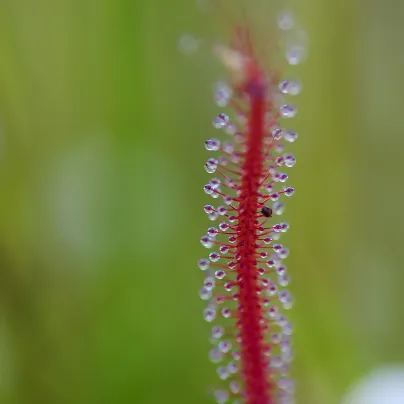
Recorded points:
(102, 123)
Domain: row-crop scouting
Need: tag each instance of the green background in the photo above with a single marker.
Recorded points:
(102, 123)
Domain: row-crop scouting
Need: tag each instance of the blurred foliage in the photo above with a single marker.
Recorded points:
(101, 129)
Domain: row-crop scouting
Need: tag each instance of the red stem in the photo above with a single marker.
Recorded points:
(255, 365)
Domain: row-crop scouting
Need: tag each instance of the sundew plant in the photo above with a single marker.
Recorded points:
(246, 279)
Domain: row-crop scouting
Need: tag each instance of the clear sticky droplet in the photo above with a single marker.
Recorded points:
(290, 87)
(288, 191)
(206, 241)
(203, 264)
(220, 121)
(205, 294)
(223, 94)
(215, 355)
(209, 314)
(217, 332)
(221, 396)
(295, 54)
(290, 136)
(288, 111)
(209, 283)
(214, 256)
(285, 20)
(212, 144)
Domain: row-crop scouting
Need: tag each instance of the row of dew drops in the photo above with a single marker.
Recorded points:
(294, 55)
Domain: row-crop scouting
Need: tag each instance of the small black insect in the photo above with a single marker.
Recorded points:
(267, 212)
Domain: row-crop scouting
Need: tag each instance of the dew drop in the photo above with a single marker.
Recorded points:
(284, 296)
(276, 362)
(221, 396)
(235, 387)
(288, 191)
(203, 264)
(287, 329)
(223, 226)
(274, 196)
(277, 133)
(220, 121)
(224, 346)
(230, 129)
(213, 232)
(212, 144)
(283, 253)
(220, 274)
(208, 209)
(290, 87)
(285, 21)
(288, 111)
(287, 356)
(214, 256)
(284, 280)
(287, 384)
(232, 239)
(228, 286)
(267, 240)
(211, 166)
(282, 320)
(209, 283)
(275, 338)
(278, 208)
(272, 312)
(290, 136)
(228, 147)
(220, 299)
(210, 169)
(289, 160)
(223, 372)
(279, 148)
(232, 367)
(285, 344)
(271, 263)
(205, 294)
(223, 94)
(215, 355)
(213, 216)
(281, 270)
(209, 314)
(224, 249)
(217, 332)
(215, 183)
(206, 241)
(295, 54)
(272, 289)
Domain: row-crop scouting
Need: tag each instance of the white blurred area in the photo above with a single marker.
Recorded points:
(382, 386)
